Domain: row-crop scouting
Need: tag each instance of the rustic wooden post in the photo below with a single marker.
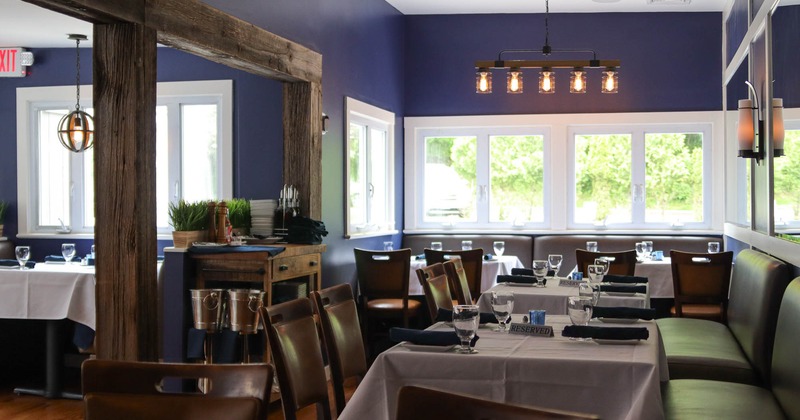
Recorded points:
(302, 143)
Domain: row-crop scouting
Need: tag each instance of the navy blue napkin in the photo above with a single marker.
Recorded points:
(420, 257)
(223, 249)
(447, 316)
(427, 338)
(528, 272)
(623, 312)
(54, 258)
(15, 263)
(518, 279)
(623, 289)
(488, 256)
(606, 333)
(613, 278)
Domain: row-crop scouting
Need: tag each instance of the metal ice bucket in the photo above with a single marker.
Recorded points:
(207, 307)
(244, 306)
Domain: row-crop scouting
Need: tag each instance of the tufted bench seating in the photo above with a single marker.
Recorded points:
(740, 351)
(520, 246)
(689, 399)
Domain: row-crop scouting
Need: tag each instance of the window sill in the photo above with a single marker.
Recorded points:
(371, 234)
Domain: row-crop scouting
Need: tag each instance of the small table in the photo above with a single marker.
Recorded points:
(659, 276)
(500, 265)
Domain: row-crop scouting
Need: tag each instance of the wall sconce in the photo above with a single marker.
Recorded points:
(750, 133)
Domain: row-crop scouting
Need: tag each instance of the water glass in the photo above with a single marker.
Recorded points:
(539, 271)
(465, 323)
(499, 248)
(589, 290)
(591, 246)
(596, 273)
(713, 247)
(554, 261)
(436, 246)
(640, 250)
(604, 262)
(648, 249)
(580, 310)
(68, 252)
(388, 246)
(92, 252)
(23, 254)
(502, 306)
(466, 245)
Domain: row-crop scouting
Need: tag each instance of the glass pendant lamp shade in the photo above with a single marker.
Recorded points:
(483, 81)
(76, 131)
(514, 81)
(746, 130)
(547, 81)
(577, 81)
(778, 132)
(610, 82)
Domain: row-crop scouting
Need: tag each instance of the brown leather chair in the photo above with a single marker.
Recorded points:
(125, 389)
(420, 403)
(623, 263)
(458, 281)
(383, 286)
(297, 351)
(471, 259)
(701, 282)
(437, 291)
(341, 332)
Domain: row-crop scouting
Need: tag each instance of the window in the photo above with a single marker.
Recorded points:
(647, 176)
(370, 170)
(193, 154)
(787, 181)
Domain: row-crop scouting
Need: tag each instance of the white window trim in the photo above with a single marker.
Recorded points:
(559, 125)
(44, 95)
(356, 110)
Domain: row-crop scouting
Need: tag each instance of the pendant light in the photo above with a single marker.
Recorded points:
(76, 129)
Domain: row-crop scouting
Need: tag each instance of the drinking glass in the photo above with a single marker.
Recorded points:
(713, 247)
(436, 246)
(466, 245)
(92, 252)
(465, 322)
(596, 273)
(580, 309)
(604, 262)
(502, 306)
(68, 252)
(540, 271)
(648, 249)
(499, 248)
(640, 249)
(554, 260)
(589, 290)
(23, 253)
(591, 246)
(388, 246)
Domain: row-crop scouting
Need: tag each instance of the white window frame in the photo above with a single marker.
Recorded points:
(371, 116)
(32, 99)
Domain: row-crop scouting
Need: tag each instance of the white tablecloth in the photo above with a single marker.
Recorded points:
(659, 276)
(491, 269)
(615, 381)
(553, 298)
(49, 291)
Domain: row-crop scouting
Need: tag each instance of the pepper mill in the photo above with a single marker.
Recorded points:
(212, 221)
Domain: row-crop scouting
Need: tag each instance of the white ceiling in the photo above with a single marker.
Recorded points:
(28, 26)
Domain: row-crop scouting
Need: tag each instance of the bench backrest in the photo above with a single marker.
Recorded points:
(757, 287)
(785, 367)
(519, 245)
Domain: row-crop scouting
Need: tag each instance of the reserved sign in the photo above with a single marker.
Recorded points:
(528, 329)
(569, 283)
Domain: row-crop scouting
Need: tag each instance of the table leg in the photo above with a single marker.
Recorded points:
(54, 365)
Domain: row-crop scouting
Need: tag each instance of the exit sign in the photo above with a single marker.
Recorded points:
(13, 62)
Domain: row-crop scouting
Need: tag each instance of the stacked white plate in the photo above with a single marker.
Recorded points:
(262, 213)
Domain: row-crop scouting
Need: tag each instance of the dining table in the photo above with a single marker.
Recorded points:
(490, 269)
(615, 379)
(659, 276)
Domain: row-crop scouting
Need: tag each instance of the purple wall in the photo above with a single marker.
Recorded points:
(670, 62)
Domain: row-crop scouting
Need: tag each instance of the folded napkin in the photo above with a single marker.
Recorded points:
(426, 338)
(606, 333)
(447, 316)
(528, 272)
(503, 278)
(15, 263)
(623, 312)
(54, 258)
(488, 257)
(223, 249)
(623, 289)
(419, 257)
(613, 278)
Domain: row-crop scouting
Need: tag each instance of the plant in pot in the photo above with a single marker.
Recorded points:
(3, 210)
(239, 215)
(190, 220)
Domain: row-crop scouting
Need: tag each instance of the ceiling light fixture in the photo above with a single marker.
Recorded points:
(547, 77)
(76, 129)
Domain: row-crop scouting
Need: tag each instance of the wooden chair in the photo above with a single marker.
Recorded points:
(437, 291)
(458, 281)
(700, 282)
(126, 390)
(420, 403)
(383, 278)
(297, 351)
(623, 263)
(472, 261)
(341, 332)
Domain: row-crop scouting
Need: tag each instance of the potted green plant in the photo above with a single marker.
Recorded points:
(3, 210)
(239, 215)
(190, 220)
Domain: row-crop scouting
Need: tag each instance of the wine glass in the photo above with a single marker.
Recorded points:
(580, 310)
(499, 248)
(23, 253)
(502, 306)
(388, 246)
(436, 246)
(540, 271)
(596, 273)
(465, 322)
(713, 247)
(640, 250)
(554, 260)
(466, 245)
(591, 246)
(604, 262)
(648, 249)
(68, 252)
(589, 290)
